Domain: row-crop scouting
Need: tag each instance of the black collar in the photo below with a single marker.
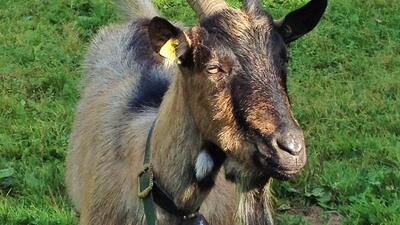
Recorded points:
(151, 192)
(165, 201)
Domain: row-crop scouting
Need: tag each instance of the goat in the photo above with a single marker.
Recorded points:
(217, 96)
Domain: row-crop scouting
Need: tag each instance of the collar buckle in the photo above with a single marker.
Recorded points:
(146, 181)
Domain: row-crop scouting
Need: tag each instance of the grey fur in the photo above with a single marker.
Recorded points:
(233, 109)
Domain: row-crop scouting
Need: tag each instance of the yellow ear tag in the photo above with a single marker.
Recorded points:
(168, 49)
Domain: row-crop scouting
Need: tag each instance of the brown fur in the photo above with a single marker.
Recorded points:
(106, 152)
(242, 105)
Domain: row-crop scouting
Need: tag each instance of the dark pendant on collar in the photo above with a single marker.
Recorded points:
(194, 219)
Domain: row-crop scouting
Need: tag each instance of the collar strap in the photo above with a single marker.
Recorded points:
(165, 201)
(150, 191)
(146, 183)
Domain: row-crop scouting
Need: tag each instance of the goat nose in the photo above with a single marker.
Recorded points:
(291, 142)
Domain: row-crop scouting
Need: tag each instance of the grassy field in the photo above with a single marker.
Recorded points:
(344, 82)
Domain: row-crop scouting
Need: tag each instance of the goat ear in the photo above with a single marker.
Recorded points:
(166, 39)
(301, 21)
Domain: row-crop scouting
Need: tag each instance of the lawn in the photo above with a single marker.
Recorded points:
(344, 82)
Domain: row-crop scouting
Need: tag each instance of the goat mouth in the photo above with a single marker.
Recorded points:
(277, 170)
(285, 174)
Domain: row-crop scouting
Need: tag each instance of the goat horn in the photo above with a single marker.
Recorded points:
(207, 7)
(252, 4)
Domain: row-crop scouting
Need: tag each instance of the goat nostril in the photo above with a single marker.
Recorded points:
(290, 145)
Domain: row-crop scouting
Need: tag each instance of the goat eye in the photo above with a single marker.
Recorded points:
(214, 69)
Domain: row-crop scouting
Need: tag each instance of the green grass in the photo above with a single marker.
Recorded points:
(344, 83)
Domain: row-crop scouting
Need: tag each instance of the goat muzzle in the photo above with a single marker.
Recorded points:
(283, 153)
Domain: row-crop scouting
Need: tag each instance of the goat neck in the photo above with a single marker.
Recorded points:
(175, 144)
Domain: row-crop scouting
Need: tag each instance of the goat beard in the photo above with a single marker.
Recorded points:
(255, 207)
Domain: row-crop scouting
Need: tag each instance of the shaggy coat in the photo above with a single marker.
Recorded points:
(218, 100)
(112, 122)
